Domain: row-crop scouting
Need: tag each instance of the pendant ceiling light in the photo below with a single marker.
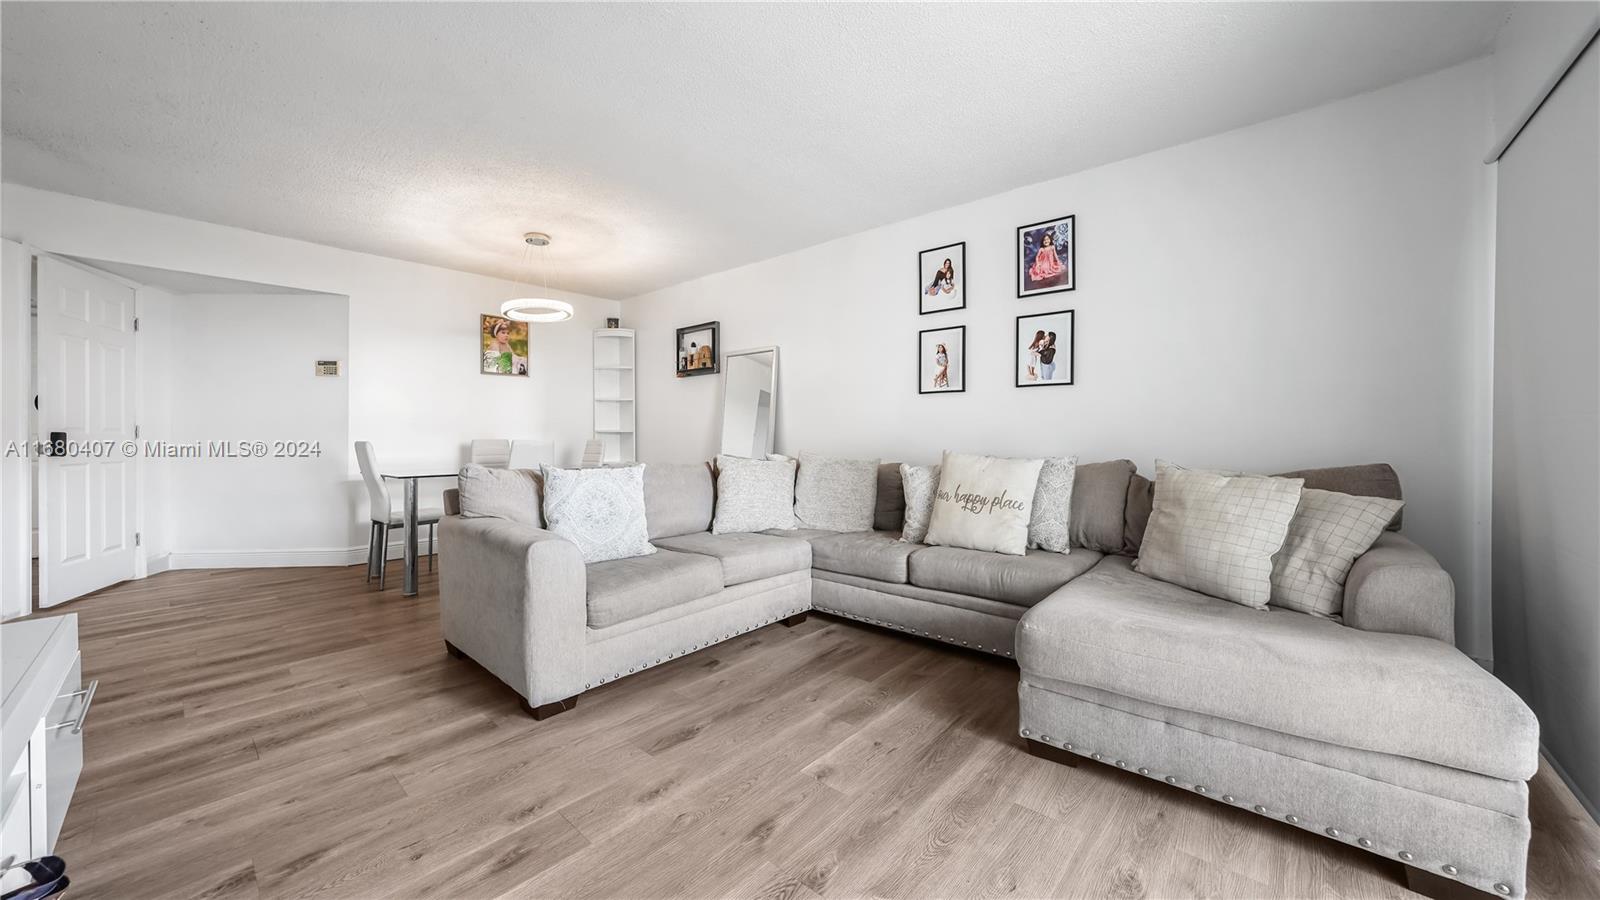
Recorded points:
(533, 308)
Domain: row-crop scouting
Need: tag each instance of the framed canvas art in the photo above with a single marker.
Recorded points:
(697, 352)
(942, 278)
(1044, 348)
(1046, 257)
(503, 346)
(942, 360)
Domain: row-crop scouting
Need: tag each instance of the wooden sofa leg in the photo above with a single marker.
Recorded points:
(1054, 754)
(454, 651)
(1439, 887)
(545, 711)
(795, 619)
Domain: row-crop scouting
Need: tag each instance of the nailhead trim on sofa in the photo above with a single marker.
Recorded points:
(1450, 870)
(913, 631)
(700, 646)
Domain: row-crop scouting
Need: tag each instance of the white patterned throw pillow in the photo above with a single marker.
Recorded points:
(1216, 532)
(1328, 532)
(984, 503)
(1048, 529)
(836, 494)
(600, 510)
(919, 483)
(753, 494)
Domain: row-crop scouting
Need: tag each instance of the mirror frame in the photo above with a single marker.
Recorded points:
(722, 409)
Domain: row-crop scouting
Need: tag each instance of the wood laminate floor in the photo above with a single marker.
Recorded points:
(295, 733)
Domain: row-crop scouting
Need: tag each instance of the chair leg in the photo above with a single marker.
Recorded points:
(431, 527)
(372, 551)
(383, 556)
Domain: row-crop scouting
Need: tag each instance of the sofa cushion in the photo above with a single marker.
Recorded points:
(1049, 527)
(1021, 580)
(512, 494)
(745, 557)
(1366, 480)
(879, 555)
(917, 486)
(835, 493)
(890, 509)
(623, 589)
(1099, 498)
(600, 510)
(1216, 532)
(754, 494)
(984, 502)
(1116, 630)
(678, 498)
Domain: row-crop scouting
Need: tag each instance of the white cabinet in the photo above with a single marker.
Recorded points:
(613, 394)
(41, 733)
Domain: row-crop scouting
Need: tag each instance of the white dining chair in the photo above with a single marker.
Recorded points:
(492, 452)
(384, 516)
(531, 454)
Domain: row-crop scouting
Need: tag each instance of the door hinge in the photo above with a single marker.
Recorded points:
(138, 539)
(135, 323)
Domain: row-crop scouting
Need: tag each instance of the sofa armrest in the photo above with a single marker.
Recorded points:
(513, 598)
(1398, 587)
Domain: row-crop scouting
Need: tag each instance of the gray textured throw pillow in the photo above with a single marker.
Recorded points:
(600, 510)
(500, 493)
(1049, 528)
(1327, 534)
(919, 483)
(1216, 533)
(753, 494)
(836, 494)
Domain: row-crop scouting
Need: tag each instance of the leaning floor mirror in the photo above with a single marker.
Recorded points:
(749, 402)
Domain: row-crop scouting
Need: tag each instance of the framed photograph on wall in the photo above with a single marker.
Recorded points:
(1047, 259)
(942, 278)
(1044, 348)
(502, 346)
(942, 360)
(698, 352)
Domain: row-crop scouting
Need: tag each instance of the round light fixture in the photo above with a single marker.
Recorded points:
(537, 309)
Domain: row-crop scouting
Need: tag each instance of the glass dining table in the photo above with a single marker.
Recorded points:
(409, 521)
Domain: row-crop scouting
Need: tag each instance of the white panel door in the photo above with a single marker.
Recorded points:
(86, 384)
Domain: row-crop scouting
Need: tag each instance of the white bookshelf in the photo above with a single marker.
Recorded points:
(614, 420)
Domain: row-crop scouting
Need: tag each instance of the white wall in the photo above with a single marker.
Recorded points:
(1313, 290)
(1547, 424)
(241, 369)
(412, 374)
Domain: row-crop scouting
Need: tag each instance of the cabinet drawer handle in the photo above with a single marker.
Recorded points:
(88, 699)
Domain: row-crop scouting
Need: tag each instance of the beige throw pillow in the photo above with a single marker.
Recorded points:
(1049, 527)
(1327, 534)
(919, 484)
(753, 494)
(836, 494)
(1216, 533)
(984, 503)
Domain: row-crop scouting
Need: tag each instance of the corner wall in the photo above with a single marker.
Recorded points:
(1312, 290)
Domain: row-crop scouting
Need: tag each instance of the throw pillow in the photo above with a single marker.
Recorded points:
(835, 494)
(1216, 533)
(1048, 527)
(500, 493)
(984, 503)
(1327, 534)
(600, 510)
(753, 494)
(919, 483)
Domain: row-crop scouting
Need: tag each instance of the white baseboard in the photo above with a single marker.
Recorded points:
(1583, 799)
(277, 559)
(155, 565)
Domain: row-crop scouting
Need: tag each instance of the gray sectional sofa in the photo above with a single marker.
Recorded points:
(1373, 731)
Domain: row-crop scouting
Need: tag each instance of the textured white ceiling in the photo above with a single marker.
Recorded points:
(656, 142)
(189, 282)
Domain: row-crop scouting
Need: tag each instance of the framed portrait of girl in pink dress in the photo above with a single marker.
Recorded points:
(1046, 262)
